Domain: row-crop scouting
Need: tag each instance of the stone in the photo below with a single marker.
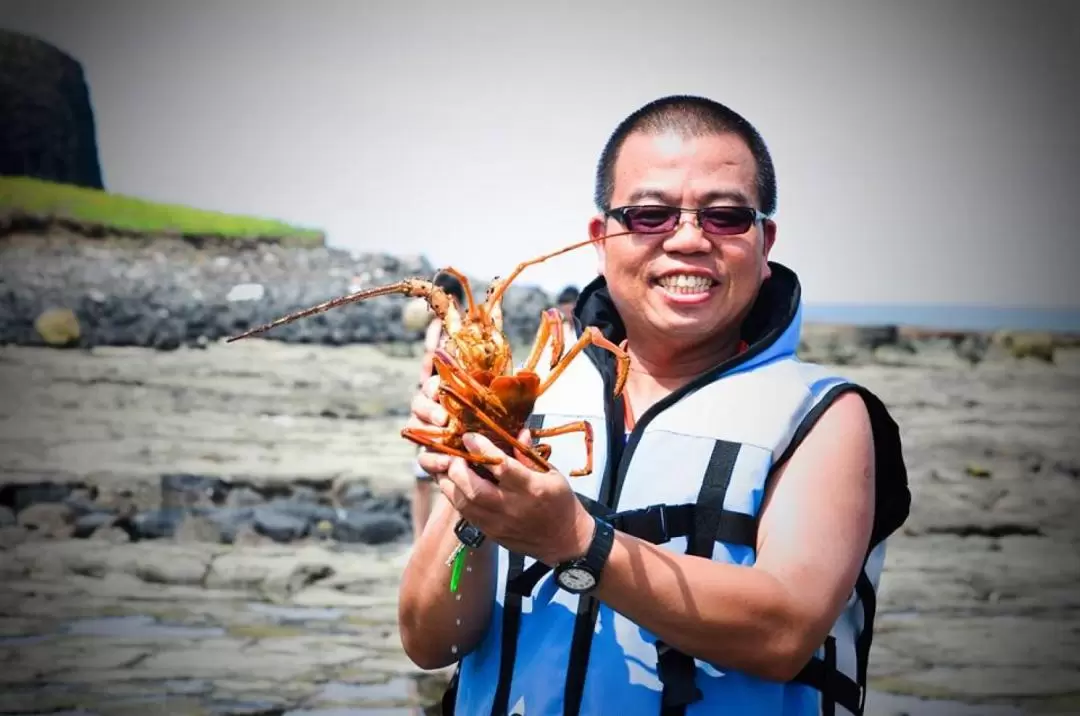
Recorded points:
(58, 327)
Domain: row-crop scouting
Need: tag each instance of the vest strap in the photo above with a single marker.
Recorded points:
(837, 689)
(677, 676)
(508, 652)
(656, 524)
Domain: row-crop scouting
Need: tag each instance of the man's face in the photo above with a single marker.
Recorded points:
(649, 275)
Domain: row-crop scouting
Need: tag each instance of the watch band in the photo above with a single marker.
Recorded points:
(569, 575)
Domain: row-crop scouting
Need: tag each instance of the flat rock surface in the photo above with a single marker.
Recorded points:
(979, 602)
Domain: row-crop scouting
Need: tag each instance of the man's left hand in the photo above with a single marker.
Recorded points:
(528, 512)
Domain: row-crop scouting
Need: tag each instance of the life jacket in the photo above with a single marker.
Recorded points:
(690, 477)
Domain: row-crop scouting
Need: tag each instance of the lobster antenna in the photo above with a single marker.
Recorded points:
(498, 293)
(399, 287)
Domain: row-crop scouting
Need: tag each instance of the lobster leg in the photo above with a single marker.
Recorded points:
(531, 453)
(432, 443)
(550, 330)
(575, 427)
(594, 336)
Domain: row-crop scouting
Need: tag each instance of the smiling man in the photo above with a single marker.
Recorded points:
(725, 552)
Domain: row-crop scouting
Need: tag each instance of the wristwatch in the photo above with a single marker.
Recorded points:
(581, 575)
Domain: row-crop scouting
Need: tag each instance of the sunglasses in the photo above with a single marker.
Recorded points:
(715, 220)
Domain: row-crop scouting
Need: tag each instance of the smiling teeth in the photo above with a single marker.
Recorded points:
(682, 283)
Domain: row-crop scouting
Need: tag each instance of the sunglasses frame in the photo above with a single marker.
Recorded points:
(619, 215)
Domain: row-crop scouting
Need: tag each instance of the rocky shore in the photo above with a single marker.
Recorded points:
(220, 531)
(59, 287)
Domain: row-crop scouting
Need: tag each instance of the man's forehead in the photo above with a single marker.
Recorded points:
(712, 166)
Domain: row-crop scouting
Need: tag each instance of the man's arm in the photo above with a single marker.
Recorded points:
(768, 619)
(431, 343)
(438, 627)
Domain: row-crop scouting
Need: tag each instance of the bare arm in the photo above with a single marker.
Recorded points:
(432, 620)
(768, 619)
(431, 343)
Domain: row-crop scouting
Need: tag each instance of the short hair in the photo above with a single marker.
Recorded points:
(451, 285)
(568, 295)
(692, 117)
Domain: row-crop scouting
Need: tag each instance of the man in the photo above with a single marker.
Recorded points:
(434, 337)
(724, 554)
(565, 302)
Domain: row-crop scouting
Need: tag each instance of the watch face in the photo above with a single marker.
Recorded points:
(576, 579)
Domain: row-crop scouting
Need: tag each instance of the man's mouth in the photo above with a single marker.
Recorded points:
(685, 284)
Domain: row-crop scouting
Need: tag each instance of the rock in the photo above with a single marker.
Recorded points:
(227, 521)
(58, 327)
(279, 526)
(246, 292)
(157, 524)
(180, 490)
(91, 522)
(46, 119)
(196, 528)
(368, 528)
(243, 497)
(13, 536)
(110, 534)
(1027, 344)
(21, 495)
(52, 519)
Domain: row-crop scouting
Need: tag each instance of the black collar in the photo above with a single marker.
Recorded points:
(773, 311)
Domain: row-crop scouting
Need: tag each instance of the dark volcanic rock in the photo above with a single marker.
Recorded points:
(46, 121)
(168, 293)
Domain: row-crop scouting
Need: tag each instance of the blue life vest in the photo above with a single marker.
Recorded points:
(689, 477)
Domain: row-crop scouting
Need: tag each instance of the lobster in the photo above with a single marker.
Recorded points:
(477, 384)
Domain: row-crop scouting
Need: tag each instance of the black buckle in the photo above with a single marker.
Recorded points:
(647, 523)
(469, 535)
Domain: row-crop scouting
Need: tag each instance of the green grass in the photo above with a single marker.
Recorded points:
(125, 213)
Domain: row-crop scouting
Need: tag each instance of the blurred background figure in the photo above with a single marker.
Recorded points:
(565, 302)
(434, 337)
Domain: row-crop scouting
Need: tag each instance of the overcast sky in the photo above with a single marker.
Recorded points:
(927, 151)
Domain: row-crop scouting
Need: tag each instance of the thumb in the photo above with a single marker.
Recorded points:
(478, 444)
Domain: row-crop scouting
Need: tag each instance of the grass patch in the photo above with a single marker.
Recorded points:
(49, 200)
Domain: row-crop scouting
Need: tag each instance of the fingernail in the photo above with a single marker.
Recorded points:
(469, 441)
(440, 415)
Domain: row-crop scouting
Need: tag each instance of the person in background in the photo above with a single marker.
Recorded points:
(434, 337)
(565, 302)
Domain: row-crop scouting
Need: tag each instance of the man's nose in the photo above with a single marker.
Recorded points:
(688, 237)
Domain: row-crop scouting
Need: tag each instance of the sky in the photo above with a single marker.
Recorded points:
(926, 150)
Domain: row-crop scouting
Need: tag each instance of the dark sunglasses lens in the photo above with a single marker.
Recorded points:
(726, 220)
(651, 219)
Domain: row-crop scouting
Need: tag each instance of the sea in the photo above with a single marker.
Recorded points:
(947, 317)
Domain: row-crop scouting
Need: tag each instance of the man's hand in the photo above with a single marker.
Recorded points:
(528, 512)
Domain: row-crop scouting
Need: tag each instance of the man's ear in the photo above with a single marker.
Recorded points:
(597, 228)
(768, 238)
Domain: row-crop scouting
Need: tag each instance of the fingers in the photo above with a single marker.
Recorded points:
(425, 409)
(434, 463)
(430, 387)
(509, 472)
(525, 438)
(466, 490)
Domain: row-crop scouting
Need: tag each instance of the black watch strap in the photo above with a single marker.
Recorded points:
(596, 557)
